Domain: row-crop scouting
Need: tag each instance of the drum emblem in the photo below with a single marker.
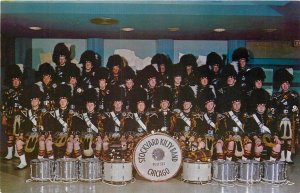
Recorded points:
(158, 154)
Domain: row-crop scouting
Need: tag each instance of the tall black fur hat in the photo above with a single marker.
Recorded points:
(90, 95)
(140, 95)
(46, 69)
(115, 60)
(91, 56)
(255, 74)
(177, 70)
(102, 73)
(282, 75)
(62, 91)
(13, 71)
(260, 96)
(214, 58)
(117, 94)
(207, 96)
(188, 60)
(239, 54)
(147, 73)
(60, 49)
(163, 93)
(73, 71)
(228, 70)
(128, 73)
(186, 95)
(204, 71)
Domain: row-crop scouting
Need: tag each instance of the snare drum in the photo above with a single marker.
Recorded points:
(249, 171)
(196, 172)
(90, 169)
(224, 171)
(41, 169)
(117, 172)
(274, 172)
(66, 169)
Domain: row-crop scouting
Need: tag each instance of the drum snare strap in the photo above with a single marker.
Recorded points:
(236, 120)
(212, 124)
(261, 126)
(140, 122)
(61, 121)
(115, 118)
(32, 118)
(89, 123)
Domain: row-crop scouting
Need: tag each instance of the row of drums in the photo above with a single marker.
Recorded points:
(118, 172)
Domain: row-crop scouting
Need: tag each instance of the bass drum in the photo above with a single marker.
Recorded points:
(157, 157)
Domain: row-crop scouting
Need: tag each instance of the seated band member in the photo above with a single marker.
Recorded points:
(212, 126)
(285, 107)
(238, 145)
(165, 119)
(261, 129)
(31, 126)
(11, 107)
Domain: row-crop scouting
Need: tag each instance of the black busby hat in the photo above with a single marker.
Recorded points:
(90, 95)
(160, 59)
(91, 56)
(46, 69)
(102, 73)
(33, 92)
(114, 60)
(177, 70)
(73, 71)
(214, 58)
(282, 75)
(60, 49)
(163, 93)
(14, 71)
(139, 95)
(188, 60)
(235, 95)
(204, 71)
(117, 93)
(186, 95)
(239, 54)
(128, 73)
(63, 91)
(260, 96)
(228, 70)
(207, 96)
(147, 73)
(255, 74)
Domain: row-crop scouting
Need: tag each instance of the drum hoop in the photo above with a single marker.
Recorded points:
(195, 182)
(135, 149)
(89, 180)
(118, 183)
(274, 181)
(251, 181)
(223, 181)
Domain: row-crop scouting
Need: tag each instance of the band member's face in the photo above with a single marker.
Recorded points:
(129, 83)
(177, 80)
(261, 108)
(152, 82)
(216, 68)
(210, 106)
(236, 106)
(63, 103)
(187, 105)
(231, 81)
(164, 104)
(47, 79)
(242, 62)
(189, 68)
(258, 84)
(16, 82)
(73, 81)
(204, 81)
(285, 86)
(35, 103)
(62, 60)
(88, 66)
(90, 107)
(116, 70)
(118, 105)
(162, 68)
(102, 83)
(141, 106)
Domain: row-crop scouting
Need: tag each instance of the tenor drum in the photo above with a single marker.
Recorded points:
(196, 172)
(224, 171)
(66, 169)
(274, 172)
(249, 171)
(90, 169)
(157, 157)
(117, 172)
(41, 169)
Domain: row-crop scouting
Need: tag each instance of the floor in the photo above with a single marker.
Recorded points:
(12, 180)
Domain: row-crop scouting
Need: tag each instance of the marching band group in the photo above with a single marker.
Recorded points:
(215, 111)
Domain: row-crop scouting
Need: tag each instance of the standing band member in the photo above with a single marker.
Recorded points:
(215, 64)
(103, 90)
(189, 63)
(90, 62)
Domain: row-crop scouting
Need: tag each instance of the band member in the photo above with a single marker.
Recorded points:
(31, 126)
(47, 86)
(103, 90)
(204, 77)
(212, 126)
(11, 107)
(61, 57)
(60, 123)
(165, 119)
(189, 62)
(261, 129)
(256, 79)
(163, 64)
(238, 144)
(128, 76)
(215, 63)
(176, 85)
(285, 105)
(90, 62)
(115, 64)
(240, 58)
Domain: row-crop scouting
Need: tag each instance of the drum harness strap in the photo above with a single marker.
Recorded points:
(40, 85)
(61, 121)
(33, 120)
(140, 122)
(212, 124)
(261, 126)
(89, 122)
(236, 120)
(115, 118)
(185, 119)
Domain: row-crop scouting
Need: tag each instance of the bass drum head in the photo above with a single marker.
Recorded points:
(157, 157)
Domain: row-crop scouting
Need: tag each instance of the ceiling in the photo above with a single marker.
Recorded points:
(151, 19)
